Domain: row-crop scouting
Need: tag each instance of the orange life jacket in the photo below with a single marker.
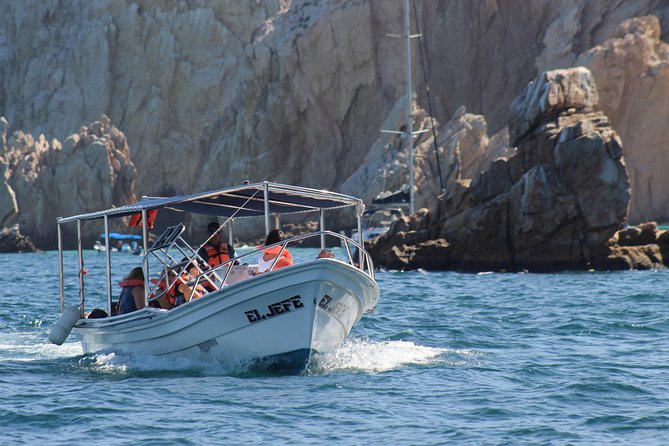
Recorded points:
(196, 293)
(286, 258)
(126, 283)
(170, 294)
(217, 255)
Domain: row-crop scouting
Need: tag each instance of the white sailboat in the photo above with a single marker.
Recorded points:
(390, 206)
(282, 317)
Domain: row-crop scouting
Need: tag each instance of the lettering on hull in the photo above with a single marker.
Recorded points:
(275, 309)
(335, 309)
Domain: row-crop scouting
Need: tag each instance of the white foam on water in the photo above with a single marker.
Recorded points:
(122, 362)
(31, 346)
(374, 356)
(48, 350)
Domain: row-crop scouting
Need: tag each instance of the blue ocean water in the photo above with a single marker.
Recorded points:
(446, 358)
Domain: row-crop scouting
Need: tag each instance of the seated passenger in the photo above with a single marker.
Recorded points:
(132, 294)
(270, 254)
(325, 254)
(183, 291)
(215, 252)
(166, 300)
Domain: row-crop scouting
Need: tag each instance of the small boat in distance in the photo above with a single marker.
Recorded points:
(129, 243)
(279, 319)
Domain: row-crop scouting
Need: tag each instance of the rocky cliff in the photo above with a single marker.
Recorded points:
(552, 205)
(90, 170)
(210, 94)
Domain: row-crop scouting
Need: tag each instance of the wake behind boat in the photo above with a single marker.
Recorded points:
(281, 317)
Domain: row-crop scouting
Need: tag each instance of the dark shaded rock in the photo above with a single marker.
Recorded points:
(662, 238)
(553, 205)
(413, 256)
(11, 240)
(643, 234)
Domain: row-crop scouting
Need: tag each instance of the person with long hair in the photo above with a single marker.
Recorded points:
(132, 293)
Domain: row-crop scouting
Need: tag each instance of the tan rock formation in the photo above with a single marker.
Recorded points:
(633, 70)
(212, 93)
(92, 168)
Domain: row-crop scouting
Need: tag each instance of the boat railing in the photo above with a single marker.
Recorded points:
(174, 270)
(356, 256)
(361, 260)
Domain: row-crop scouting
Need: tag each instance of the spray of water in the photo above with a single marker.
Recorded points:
(373, 356)
(354, 355)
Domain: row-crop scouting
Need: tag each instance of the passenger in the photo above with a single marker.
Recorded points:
(215, 252)
(166, 300)
(326, 254)
(269, 254)
(132, 294)
(183, 292)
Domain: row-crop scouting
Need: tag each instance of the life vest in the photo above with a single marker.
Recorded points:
(179, 297)
(170, 294)
(126, 302)
(217, 255)
(269, 254)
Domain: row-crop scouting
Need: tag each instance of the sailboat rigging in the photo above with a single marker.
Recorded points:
(389, 206)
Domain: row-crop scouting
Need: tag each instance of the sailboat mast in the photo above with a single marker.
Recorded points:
(409, 132)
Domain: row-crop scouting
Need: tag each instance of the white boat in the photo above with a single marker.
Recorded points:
(280, 318)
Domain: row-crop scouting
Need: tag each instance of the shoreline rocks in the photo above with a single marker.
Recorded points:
(11, 240)
(640, 247)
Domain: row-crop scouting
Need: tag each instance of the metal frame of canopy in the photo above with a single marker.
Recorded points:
(249, 200)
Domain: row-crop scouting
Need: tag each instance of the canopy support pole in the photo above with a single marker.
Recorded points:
(81, 270)
(230, 236)
(108, 265)
(60, 270)
(322, 212)
(266, 202)
(359, 211)
(145, 264)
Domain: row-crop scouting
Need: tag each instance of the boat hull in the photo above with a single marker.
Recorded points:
(281, 317)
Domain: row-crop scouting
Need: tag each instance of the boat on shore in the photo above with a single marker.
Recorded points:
(279, 319)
